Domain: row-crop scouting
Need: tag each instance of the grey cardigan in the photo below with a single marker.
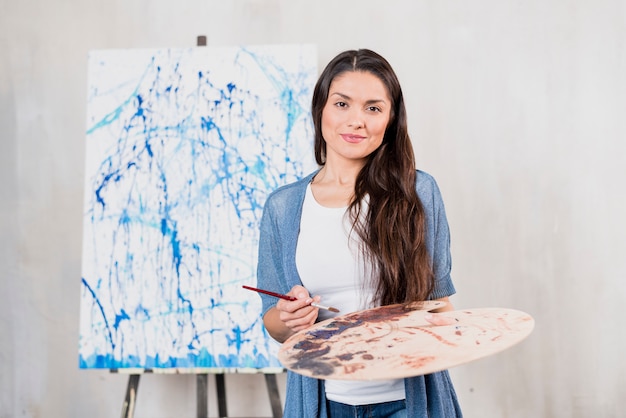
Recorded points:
(429, 396)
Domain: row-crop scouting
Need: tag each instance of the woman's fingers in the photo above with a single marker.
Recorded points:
(439, 319)
(298, 314)
(299, 323)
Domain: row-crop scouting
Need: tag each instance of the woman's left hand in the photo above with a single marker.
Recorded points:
(437, 319)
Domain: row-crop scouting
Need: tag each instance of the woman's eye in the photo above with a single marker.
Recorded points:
(341, 104)
(374, 109)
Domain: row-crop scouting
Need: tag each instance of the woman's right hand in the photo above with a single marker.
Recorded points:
(298, 314)
(289, 317)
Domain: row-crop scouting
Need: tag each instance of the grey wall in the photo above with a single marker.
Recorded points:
(516, 107)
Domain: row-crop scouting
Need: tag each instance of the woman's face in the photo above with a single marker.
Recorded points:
(355, 117)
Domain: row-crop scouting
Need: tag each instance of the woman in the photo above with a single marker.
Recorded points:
(367, 223)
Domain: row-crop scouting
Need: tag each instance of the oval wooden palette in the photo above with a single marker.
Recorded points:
(392, 342)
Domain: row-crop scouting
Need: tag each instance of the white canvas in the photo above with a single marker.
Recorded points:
(183, 147)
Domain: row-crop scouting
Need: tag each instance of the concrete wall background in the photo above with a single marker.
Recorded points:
(516, 107)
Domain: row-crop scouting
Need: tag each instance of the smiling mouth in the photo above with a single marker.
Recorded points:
(352, 138)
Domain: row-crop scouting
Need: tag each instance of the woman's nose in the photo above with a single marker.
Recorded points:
(356, 120)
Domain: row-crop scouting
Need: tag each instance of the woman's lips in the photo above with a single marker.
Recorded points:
(352, 138)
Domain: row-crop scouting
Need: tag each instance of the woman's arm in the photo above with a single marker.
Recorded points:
(448, 306)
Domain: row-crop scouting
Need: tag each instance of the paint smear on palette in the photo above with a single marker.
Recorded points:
(394, 342)
(183, 146)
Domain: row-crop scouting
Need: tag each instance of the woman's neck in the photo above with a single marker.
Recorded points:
(333, 187)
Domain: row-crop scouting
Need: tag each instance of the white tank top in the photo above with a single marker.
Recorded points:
(330, 265)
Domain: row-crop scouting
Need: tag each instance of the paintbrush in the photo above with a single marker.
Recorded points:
(290, 298)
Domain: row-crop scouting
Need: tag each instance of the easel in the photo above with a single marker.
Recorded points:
(202, 386)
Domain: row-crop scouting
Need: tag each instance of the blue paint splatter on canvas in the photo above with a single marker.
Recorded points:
(183, 146)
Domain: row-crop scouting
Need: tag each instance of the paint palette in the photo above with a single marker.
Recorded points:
(395, 341)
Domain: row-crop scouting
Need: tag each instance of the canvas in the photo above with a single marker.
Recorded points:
(183, 146)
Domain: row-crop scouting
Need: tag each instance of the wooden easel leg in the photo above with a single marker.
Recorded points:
(221, 395)
(272, 390)
(128, 408)
(202, 390)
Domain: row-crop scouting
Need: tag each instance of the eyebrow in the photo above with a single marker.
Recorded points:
(368, 102)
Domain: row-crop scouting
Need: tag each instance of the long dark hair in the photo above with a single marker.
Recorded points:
(392, 228)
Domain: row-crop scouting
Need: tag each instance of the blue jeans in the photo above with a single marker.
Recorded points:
(393, 409)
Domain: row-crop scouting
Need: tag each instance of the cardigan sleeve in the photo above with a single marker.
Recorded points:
(438, 234)
(278, 238)
(269, 267)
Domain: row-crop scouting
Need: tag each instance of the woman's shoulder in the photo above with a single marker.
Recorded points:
(425, 180)
(427, 188)
(289, 192)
